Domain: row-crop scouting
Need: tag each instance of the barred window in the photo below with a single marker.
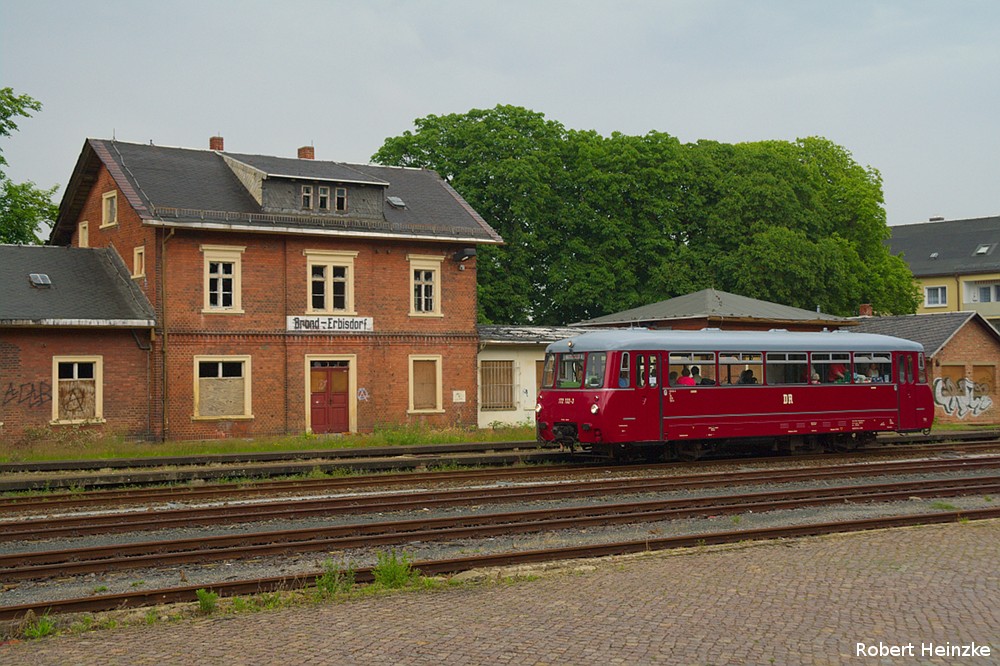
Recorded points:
(496, 382)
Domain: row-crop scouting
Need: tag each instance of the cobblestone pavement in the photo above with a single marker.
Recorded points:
(806, 601)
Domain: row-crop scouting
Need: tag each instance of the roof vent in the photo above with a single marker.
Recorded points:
(396, 202)
(984, 249)
(934, 255)
(40, 280)
(937, 218)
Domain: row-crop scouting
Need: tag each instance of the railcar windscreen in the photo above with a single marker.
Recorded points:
(596, 365)
(570, 371)
(549, 371)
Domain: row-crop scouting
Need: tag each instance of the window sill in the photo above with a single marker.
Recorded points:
(220, 311)
(223, 418)
(108, 226)
(425, 411)
(96, 421)
(332, 313)
(426, 315)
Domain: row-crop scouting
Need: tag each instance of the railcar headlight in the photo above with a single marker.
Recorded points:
(594, 408)
(538, 407)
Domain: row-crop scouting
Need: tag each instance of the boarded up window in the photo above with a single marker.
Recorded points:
(496, 380)
(425, 384)
(951, 376)
(221, 388)
(985, 378)
(77, 391)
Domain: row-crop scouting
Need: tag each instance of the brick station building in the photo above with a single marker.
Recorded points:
(290, 294)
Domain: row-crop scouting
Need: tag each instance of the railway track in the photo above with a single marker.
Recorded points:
(117, 473)
(455, 565)
(36, 528)
(117, 557)
(70, 501)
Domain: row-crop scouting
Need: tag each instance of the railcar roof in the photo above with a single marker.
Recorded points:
(718, 340)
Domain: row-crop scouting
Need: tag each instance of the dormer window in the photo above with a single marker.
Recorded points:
(323, 198)
(307, 197)
(341, 200)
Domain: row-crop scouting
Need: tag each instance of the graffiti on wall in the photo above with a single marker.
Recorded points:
(962, 398)
(30, 394)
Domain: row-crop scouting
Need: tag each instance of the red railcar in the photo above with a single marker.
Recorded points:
(684, 393)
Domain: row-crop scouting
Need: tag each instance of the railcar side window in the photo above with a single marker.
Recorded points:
(624, 371)
(922, 369)
(872, 367)
(596, 364)
(654, 373)
(570, 373)
(745, 368)
(549, 371)
(831, 368)
(640, 371)
(692, 369)
(787, 368)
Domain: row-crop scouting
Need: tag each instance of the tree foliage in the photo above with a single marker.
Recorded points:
(23, 206)
(596, 224)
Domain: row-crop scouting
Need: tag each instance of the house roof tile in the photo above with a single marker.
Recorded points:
(949, 247)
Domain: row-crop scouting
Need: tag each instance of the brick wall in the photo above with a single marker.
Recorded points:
(971, 347)
(26, 358)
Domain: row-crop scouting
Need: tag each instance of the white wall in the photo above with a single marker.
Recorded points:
(524, 357)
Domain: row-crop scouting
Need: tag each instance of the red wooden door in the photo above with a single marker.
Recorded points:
(328, 389)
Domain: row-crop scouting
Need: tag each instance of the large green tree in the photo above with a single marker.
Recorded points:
(598, 224)
(24, 208)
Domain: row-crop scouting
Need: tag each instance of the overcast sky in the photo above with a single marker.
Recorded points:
(911, 88)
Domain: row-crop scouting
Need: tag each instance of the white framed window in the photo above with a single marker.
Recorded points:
(222, 387)
(496, 386)
(139, 262)
(79, 389)
(223, 279)
(425, 285)
(935, 297)
(323, 197)
(340, 199)
(425, 384)
(331, 281)
(307, 197)
(83, 234)
(109, 209)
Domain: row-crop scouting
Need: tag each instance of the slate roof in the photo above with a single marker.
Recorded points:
(491, 333)
(955, 243)
(90, 287)
(182, 187)
(718, 305)
(933, 331)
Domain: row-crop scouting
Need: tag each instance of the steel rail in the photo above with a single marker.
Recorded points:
(457, 565)
(33, 566)
(35, 529)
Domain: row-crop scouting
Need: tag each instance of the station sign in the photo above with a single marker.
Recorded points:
(323, 324)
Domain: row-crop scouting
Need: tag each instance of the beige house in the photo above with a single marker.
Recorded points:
(956, 263)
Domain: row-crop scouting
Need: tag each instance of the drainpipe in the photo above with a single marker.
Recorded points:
(165, 425)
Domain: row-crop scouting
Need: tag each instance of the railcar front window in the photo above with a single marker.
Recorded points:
(570, 373)
(549, 371)
(596, 364)
(872, 367)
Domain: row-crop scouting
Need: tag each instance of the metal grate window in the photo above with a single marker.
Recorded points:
(496, 381)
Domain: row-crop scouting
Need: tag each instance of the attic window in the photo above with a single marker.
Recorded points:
(983, 249)
(40, 280)
(396, 202)
(934, 255)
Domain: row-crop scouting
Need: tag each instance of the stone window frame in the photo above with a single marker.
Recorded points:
(226, 254)
(83, 234)
(139, 261)
(330, 259)
(109, 209)
(438, 407)
(424, 263)
(245, 360)
(98, 362)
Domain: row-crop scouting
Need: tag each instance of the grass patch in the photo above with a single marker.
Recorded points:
(208, 601)
(48, 443)
(334, 580)
(943, 506)
(393, 571)
(39, 627)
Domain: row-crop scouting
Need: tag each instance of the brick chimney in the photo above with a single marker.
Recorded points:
(307, 153)
(215, 143)
(865, 310)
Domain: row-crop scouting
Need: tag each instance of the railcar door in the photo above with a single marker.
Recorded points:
(649, 404)
(906, 385)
